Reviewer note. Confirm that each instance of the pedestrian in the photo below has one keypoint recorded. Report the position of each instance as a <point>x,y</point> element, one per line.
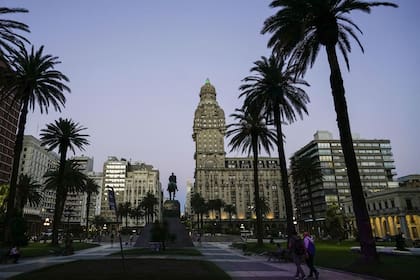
<point>310,254</point>
<point>14,253</point>
<point>112,239</point>
<point>297,248</point>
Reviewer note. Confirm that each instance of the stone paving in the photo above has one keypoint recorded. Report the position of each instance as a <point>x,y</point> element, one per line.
<point>241,267</point>
<point>238,266</point>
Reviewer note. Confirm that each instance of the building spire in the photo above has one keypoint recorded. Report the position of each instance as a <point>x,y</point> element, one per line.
<point>207,81</point>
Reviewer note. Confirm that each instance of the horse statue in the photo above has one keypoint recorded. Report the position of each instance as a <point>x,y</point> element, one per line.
<point>172,188</point>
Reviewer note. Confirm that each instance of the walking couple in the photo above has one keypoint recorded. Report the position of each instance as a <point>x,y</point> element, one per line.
<point>303,250</point>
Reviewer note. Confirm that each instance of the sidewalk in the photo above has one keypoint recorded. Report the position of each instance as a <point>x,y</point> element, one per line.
<point>241,267</point>
<point>232,261</point>
<point>30,264</point>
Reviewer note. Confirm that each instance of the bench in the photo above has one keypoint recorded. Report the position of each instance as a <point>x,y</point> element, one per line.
<point>282,256</point>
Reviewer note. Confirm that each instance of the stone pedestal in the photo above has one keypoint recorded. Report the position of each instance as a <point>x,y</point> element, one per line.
<point>171,209</point>
<point>178,236</point>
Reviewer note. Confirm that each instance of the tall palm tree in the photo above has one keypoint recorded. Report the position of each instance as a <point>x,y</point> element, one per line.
<point>231,210</point>
<point>251,134</point>
<point>64,134</point>
<point>137,213</point>
<point>71,179</point>
<point>307,171</point>
<point>27,192</point>
<point>298,30</point>
<point>275,88</point>
<point>91,187</point>
<point>34,83</point>
<point>124,210</point>
<point>8,36</point>
<point>196,203</point>
<point>148,203</point>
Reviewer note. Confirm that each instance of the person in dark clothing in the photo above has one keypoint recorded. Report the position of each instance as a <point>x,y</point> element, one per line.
<point>297,248</point>
<point>14,254</point>
<point>310,253</point>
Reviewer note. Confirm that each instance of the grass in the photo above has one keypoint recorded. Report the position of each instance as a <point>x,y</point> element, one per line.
<point>107,269</point>
<point>168,251</point>
<point>45,249</point>
<point>330,254</point>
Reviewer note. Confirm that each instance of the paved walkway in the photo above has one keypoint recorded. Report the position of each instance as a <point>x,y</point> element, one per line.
<point>238,266</point>
<point>30,264</point>
<point>241,267</point>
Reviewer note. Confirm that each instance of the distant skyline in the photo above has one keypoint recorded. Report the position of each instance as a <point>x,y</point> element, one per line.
<point>136,68</point>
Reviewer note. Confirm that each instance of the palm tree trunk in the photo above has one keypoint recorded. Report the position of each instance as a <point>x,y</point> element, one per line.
<point>60,197</point>
<point>11,207</point>
<point>367,242</point>
<point>87,214</point>
<point>284,175</point>
<point>257,194</point>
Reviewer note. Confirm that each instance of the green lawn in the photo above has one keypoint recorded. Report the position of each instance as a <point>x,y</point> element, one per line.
<point>168,251</point>
<point>45,249</point>
<point>330,254</point>
<point>108,269</point>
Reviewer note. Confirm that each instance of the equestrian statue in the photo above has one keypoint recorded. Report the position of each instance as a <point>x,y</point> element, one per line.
<point>172,188</point>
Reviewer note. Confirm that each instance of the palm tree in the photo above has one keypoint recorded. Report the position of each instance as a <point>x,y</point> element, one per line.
<point>265,207</point>
<point>124,210</point>
<point>90,188</point>
<point>63,134</point>
<point>27,192</point>
<point>8,36</point>
<point>137,213</point>
<point>231,210</point>
<point>277,91</point>
<point>306,170</point>
<point>196,202</point>
<point>298,30</point>
<point>34,82</point>
<point>148,203</point>
<point>251,134</point>
<point>72,180</point>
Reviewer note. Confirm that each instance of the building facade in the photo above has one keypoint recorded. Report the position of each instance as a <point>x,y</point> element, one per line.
<point>9,116</point>
<point>142,179</point>
<point>35,161</point>
<point>376,167</point>
<point>75,207</point>
<point>230,179</point>
<point>114,174</point>
<point>392,211</point>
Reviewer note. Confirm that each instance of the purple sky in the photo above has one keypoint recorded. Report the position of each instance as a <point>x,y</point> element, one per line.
<point>136,68</point>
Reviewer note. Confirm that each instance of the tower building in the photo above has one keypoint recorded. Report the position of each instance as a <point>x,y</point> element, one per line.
<point>230,179</point>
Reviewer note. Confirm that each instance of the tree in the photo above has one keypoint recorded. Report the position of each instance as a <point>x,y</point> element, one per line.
<point>148,203</point>
<point>8,36</point>
<point>65,181</point>
<point>265,207</point>
<point>335,222</point>
<point>277,91</point>
<point>197,201</point>
<point>28,192</point>
<point>124,210</point>
<point>231,210</point>
<point>90,188</point>
<point>298,30</point>
<point>251,134</point>
<point>216,205</point>
<point>306,170</point>
<point>33,82</point>
<point>64,134</point>
<point>137,213</point>
<point>99,221</point>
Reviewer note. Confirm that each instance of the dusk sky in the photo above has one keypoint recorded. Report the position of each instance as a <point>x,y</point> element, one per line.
<point>136,68</point>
